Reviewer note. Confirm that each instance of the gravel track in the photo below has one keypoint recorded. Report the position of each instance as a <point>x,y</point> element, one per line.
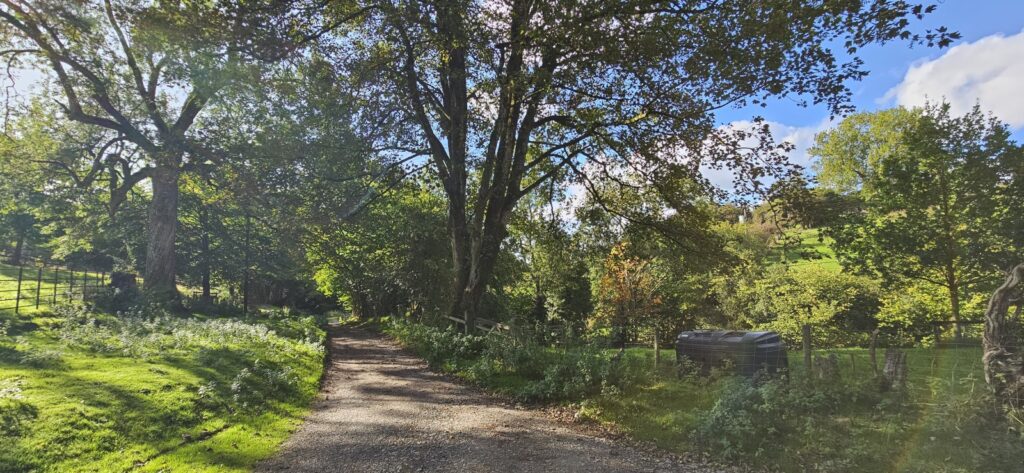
<point>383,410</point>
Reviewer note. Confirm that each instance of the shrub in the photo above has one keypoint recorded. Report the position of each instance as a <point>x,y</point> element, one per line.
<point>146,332</point>
<point>519,367</point>
<point>789,423</point>
<point>39,358</point>
<point>112,299</point>
<point>445,348</point>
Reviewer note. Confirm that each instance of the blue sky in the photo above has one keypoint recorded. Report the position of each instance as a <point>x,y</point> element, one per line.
<point>986,66</point>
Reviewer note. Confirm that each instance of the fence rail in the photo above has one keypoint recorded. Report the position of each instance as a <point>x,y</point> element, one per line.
<point>483,325</point>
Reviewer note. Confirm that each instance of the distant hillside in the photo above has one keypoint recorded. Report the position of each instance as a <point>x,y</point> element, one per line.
<point>811,249</point>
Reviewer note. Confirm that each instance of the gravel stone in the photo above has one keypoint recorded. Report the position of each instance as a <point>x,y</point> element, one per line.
<point>382,410</point>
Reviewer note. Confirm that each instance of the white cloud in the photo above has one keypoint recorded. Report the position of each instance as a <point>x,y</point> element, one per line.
<point>988,71</point>
<point>801,137</point>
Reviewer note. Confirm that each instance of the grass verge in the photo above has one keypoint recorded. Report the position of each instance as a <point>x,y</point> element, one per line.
<point>81,391</point>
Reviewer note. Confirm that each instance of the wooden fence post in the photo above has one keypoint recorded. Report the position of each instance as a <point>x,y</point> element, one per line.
<point>807,348</point>
<point>874,346</point>
<point>937,329</point>
<point>71,285</point>
<point>39,285</point>
<point>17,294</point>
<point>56,282</point>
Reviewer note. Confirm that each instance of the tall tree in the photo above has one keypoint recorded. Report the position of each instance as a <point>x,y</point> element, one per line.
<point>145,71</point>
<point>501,96</point>
<point>934,192</point>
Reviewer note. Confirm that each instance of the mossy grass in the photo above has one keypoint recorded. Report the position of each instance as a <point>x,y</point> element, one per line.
<point>176,395</point>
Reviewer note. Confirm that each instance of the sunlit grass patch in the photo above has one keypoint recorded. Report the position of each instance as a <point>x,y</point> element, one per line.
<point>153,392</point>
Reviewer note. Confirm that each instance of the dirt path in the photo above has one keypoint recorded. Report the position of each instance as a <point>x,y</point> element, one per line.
<point>382,410</point>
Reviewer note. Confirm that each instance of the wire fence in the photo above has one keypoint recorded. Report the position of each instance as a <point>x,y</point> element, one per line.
<point>34,284</point>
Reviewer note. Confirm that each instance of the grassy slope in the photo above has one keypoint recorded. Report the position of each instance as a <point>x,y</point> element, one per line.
<point>111,412</point>
<point>811,248</point>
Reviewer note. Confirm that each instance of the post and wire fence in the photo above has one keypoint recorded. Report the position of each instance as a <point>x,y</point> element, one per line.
<point>932,359</point>
<point>33,284</point>
<point>918,361</point>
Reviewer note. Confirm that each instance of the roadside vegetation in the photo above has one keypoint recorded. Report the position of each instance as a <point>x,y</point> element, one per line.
<point>147,390</point>
<point>796,423</point>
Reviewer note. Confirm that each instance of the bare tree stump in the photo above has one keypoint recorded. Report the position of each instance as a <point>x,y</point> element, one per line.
<point>894,372</point>
<point>1003,359</point>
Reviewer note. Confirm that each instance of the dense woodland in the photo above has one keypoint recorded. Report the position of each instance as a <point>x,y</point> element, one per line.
<point>541,165</point>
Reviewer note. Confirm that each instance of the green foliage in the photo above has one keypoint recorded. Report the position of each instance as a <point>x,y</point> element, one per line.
<point>841,307</point>
<point>751,422</point>
<point>913,306</point>
<point>810,425</point>
<point>932,192</point>
<point>519,368</point>
<point>148,332</point>
<point>391,258</point>
<point>444,348</point>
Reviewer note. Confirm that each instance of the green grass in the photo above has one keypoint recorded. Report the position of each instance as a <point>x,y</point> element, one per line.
<point>943,421</point>
<point>810,248</point>
<point>662,410</point>
<point>157,398</point>
<point>910,433</point>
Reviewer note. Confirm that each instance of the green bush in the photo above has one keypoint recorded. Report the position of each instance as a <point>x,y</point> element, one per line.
<point>785,423</point>
<point>519,367</point>
<point>444,348</point>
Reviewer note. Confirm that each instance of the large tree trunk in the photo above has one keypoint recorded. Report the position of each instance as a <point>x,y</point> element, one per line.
<point>461,260</point>
<point>1003,357</point>
<point>159,280</point>
<point>474,261</point>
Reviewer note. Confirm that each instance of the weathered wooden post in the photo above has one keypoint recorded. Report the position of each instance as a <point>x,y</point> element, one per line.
<point>807,349</point>
<point>895,370</point>
<point>871,353</point>
<point>39,285</point>
<point>17,294</point>
<point>56,282</point>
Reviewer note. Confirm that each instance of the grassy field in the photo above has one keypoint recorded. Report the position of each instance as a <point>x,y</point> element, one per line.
<point>88,392</point>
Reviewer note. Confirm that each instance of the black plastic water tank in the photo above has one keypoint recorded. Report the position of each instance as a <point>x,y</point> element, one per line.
<point>746,352</point>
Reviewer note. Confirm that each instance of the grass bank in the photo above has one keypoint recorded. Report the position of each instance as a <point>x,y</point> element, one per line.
<point>943,421</point>
<point>81,391</point>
